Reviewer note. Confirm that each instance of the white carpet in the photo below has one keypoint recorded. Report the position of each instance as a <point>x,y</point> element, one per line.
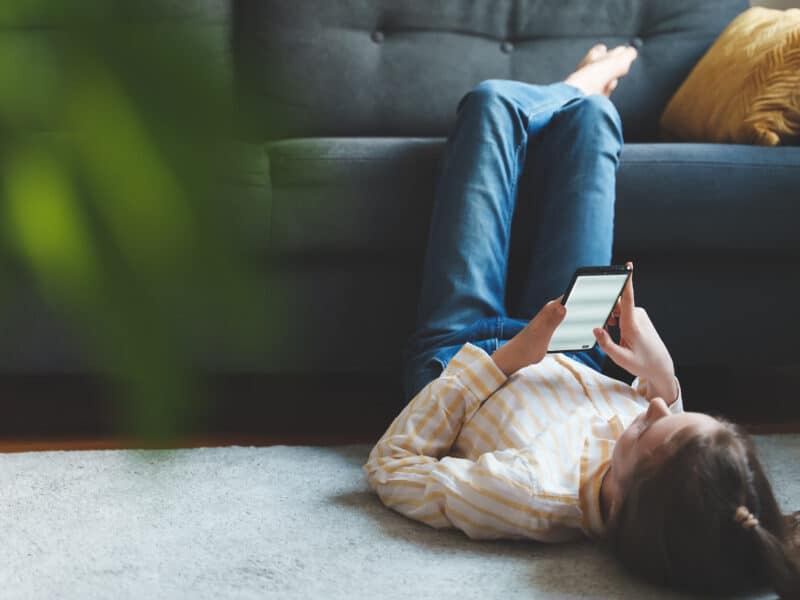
<point>274,522</point>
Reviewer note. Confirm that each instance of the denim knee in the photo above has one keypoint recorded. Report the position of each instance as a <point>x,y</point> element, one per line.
<point>488,93</point>
<point>596,112</point>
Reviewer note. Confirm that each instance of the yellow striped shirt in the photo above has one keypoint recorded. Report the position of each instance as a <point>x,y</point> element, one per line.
<point>506,457</point>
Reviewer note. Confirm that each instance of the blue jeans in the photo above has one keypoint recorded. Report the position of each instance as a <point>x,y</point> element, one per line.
<point>557,150</point>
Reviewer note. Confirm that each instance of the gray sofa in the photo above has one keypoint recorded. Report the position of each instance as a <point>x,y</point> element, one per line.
<point>364,94</point>
<point>355,99</point>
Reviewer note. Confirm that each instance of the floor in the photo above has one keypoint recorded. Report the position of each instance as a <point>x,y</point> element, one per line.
<point>282,522</point>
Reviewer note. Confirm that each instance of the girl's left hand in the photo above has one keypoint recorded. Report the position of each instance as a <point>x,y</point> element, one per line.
<point>529,346</point>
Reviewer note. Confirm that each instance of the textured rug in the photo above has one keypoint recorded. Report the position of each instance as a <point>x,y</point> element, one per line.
<point>271,522</point>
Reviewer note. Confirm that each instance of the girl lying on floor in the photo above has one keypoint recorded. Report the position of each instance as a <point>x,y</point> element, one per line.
<point>501,439</point>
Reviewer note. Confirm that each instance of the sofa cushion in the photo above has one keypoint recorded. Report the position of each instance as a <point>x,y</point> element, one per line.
<point>352,195</point>
<point>719,199</point>
<point>399,67</point>
<point>375,195</point>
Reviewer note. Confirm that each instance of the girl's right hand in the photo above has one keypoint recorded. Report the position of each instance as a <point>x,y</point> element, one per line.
<point>640,351</point>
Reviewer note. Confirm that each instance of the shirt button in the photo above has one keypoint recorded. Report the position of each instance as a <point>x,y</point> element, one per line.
<point>636,42</point>
<point>377,37</point>
<point>507,47</point>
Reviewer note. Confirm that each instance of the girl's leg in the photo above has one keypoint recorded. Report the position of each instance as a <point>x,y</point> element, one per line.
<point>569,185</point>
<point>464,272</point>
<point>567,196</point>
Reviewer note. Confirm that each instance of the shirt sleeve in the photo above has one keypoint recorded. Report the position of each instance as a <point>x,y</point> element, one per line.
<point>495,496</point>
<point>641,387</point>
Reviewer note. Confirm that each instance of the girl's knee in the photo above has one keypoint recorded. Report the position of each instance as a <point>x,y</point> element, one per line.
<point>487,93</point>
<point>491,94</point>
<point>491,88</point>
<point>598,110</point>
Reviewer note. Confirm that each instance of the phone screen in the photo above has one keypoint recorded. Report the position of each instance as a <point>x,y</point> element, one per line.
<point>588,305</point>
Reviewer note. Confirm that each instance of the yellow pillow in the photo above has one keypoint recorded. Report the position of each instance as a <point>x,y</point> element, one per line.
<point>746,88</point>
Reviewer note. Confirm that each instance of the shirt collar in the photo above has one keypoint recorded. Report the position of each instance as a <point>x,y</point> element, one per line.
<point>595,463</point>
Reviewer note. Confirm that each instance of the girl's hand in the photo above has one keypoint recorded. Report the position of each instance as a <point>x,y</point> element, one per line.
<point>529,346</point>
<point>640,351</point>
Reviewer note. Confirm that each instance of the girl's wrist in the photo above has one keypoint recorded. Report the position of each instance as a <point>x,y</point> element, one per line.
<point>661,372</point>
<point>665,387</point>
<point>518,352</point>
<point>507,357</point>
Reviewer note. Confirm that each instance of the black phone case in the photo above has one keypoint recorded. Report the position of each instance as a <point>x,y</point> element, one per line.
<point>600,270</point>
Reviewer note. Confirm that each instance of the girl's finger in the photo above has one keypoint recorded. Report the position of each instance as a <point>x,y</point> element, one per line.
<point>621,356</point>
<point>627,299</point>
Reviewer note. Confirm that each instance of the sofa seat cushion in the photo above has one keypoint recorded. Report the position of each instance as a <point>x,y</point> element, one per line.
<point>375,195</point>
<point>715,199</point>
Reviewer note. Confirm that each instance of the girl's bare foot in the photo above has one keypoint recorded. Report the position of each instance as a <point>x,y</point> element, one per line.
<point>594,53</point>
<point>600,70</point>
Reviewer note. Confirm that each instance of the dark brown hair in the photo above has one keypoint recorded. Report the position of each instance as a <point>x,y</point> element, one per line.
<point>676,526</point>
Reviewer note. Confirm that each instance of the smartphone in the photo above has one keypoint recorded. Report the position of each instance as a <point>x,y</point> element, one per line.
<point>590,298</point>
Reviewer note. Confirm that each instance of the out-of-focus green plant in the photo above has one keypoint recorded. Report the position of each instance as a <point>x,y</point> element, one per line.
<point>115,133</point>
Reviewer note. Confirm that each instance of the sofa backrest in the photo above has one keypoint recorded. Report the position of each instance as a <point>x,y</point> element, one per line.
<point>399,67</point>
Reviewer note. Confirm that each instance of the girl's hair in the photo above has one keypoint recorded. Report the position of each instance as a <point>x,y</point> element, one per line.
<point>677,525</point>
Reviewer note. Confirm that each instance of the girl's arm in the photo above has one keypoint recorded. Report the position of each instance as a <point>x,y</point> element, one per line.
<point>493,497</point>
<point>489,498</point>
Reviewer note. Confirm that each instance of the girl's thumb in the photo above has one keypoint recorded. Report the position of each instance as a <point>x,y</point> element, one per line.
<point>604,340</point>
<point>619,354</point>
